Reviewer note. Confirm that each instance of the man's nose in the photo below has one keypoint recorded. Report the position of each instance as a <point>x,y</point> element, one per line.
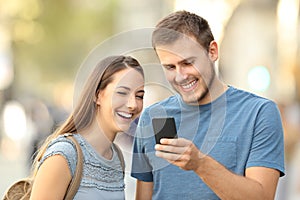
<point>181,74</point>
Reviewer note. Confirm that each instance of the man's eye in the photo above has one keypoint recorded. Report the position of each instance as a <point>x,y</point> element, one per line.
<point>169,67</point>
<point>187,63</point>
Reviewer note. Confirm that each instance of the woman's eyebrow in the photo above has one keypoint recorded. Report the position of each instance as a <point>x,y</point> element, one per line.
<point>141,91</point>
<point>127,88</point>
<point>124,87</point>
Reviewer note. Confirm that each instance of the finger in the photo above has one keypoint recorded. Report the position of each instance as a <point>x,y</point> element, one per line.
<point>171,157</point>
<point>175,142</point>
<point>171,149</point>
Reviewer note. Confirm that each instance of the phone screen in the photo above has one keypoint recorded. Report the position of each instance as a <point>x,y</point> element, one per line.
<point>164,128</point>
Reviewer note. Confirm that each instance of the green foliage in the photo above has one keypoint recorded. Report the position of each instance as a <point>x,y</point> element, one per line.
<point>50,44</point>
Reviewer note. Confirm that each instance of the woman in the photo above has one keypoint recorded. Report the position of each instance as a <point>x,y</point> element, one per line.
<point>111,99</point>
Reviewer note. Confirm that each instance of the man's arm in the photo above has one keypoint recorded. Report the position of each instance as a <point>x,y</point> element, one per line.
<point>258,182</point>
<point>143,190</point>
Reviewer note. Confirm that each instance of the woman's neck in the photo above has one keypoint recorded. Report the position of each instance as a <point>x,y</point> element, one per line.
<point>100,141</point>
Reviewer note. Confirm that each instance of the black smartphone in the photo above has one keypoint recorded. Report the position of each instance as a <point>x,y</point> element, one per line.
<point>164,128</point>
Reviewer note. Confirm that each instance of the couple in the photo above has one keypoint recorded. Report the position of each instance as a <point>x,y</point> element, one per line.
<point>229,146</point>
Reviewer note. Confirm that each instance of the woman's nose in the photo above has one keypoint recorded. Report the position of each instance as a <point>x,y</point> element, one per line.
<point>131,103</point>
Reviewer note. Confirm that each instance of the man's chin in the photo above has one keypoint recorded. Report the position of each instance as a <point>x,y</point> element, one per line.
<point>192,100</point>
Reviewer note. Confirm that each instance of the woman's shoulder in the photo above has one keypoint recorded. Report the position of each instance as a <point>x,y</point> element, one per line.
<point>62,144</point>
<point>64,147</point>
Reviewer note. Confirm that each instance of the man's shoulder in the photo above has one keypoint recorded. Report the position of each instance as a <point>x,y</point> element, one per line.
<point>165,107</point>
<point>247,96</point>
<point>169,101</point>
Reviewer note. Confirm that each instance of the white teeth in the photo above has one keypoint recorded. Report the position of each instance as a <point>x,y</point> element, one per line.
<point>189,85</point>
<point>125,115</point>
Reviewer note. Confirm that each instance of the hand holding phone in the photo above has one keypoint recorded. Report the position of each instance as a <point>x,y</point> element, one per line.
<point>164,128</point>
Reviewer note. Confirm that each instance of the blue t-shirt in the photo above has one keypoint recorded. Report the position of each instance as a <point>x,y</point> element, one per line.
<point>239,130</point>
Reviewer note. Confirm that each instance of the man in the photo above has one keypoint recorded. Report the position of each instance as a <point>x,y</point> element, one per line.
<point>230,142</point>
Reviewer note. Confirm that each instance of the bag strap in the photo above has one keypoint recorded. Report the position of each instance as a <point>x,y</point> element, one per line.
<point>121,157</point>
<point>75,182</point>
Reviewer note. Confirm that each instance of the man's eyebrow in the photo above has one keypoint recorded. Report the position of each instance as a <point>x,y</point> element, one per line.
<point>166,65</point>
<point>189,59</point>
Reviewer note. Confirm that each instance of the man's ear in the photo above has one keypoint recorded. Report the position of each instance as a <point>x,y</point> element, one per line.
<point>213,51</point>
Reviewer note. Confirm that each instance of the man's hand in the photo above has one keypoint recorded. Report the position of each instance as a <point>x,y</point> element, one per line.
<point>180,152</point>
<point>227,185</point>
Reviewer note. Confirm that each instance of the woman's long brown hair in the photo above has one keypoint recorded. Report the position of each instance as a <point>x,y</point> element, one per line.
<point>85,110</point>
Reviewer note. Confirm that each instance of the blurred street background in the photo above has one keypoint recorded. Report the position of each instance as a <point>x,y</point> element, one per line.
<point>44,42</point>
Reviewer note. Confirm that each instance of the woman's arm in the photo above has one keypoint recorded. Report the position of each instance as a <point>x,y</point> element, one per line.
<point>52,179</point>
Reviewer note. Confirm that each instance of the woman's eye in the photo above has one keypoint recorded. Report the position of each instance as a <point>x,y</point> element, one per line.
<point>122,93</point>
<point>140,96</point>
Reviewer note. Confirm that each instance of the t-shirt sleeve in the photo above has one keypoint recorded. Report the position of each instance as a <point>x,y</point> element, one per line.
<point>64,147</point>
<point>141,168</point>
<point>267,146</point>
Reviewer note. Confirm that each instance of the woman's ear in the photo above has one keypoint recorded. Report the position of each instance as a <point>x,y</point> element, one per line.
<point>97,98</point>
<point>213,50</point>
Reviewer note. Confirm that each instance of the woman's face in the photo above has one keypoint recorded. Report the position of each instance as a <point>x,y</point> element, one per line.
<point>121,101</point>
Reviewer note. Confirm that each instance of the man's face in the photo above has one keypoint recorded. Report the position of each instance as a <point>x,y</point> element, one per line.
<point>189,68</point>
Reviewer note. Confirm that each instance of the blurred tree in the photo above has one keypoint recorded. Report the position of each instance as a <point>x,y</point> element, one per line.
<point>52,37</point>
